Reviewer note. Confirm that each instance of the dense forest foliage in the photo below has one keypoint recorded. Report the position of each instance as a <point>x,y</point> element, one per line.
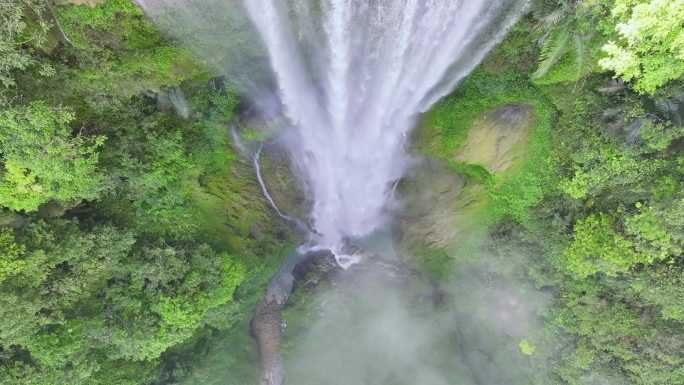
<point>598,208</point>
<point>127,220</point>
<point>131,232</point>
<point>611,223</point>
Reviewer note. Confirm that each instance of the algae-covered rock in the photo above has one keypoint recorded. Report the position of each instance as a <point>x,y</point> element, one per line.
<point>431,194</point>
<point>441,202</point>
<point>445,200</point>
<point>497,140</point>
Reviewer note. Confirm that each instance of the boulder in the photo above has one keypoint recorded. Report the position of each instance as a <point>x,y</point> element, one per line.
<point>498,139</point>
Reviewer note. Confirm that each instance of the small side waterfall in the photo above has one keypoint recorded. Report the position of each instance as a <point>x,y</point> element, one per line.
<point>353,75</point>
<point>301,226</point>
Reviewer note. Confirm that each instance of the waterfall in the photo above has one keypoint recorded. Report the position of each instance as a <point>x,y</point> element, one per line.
<point>351,76</point>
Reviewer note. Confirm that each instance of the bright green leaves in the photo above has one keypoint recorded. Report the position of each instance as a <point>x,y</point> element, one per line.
<point>527,348</point>
<point>597,247</point>
<point>76,300</point>
<point>647,46</point>
<point>651,235</point>
<point>181,316</point>
<point>43,161</point>
<point>20,190</point>
<point>650,51</point>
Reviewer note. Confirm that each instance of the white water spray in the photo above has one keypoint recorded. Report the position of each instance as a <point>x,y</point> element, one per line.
<point>376,66</point>
<point>352,77</point>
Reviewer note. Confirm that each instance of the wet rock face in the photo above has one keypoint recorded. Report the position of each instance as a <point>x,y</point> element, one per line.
<point>319,263</point>
<point>497,140</point>
<point>283,184</point>
<point>267,324</point>
<point>267,332</point>
<point>440,203</point>
<point>431,197</point>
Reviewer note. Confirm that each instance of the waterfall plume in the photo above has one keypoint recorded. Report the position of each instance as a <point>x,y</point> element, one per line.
<point>352,77</point>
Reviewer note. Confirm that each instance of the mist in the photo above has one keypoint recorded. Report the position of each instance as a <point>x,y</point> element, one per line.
<point>374,325</point>
<point>351,78</point>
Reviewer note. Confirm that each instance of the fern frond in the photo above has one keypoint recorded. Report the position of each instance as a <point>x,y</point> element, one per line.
<point>541,8</point>
<point>580,50</point>
<point>553,18</point>
<point>553,49</point>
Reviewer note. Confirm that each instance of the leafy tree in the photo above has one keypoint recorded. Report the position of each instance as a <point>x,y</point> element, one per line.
<point>650,48</point>
<point>179,286</point>
<point>651,234</point>
<point>606,168</point>
<point>122,51</point>
<point>10,260</point>
<point>155,182</point>
<point>597,247</point>
<point>616,337</point>
<point>662,286</point>
<point>77,302</point>
<point>43,161</point>
<point>14,32</point>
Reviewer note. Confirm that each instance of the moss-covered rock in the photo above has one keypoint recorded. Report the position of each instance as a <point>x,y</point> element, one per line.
<point>498,140</point>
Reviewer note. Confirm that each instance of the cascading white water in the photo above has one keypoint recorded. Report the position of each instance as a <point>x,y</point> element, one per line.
<point>352,77</point>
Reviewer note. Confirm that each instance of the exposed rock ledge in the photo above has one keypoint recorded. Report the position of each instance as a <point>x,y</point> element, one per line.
<point>497,141</point>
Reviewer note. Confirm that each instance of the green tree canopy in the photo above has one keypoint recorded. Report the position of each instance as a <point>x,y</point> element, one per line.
<point>650,48</point>
<point>43,161</point>
<point>76,301</point>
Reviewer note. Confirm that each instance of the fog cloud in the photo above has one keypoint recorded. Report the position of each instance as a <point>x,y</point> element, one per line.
<point>373,327</point>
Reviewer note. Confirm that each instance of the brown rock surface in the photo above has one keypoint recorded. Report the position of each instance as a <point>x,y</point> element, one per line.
<point>497,140</point>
